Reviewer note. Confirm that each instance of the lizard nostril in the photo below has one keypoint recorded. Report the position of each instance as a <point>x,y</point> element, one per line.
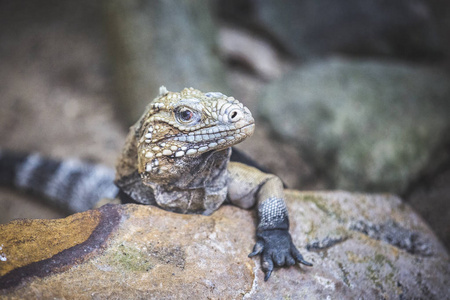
<point>235,115</point>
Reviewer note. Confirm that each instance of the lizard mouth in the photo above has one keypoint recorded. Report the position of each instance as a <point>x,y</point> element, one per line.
<point>248,129</point>
<point>234,136</point>
<point>220,141</point>
<point>197,143</point>
<point>223,135</point>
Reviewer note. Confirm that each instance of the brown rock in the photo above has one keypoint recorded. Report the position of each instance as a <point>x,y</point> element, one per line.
<point>366,246</point>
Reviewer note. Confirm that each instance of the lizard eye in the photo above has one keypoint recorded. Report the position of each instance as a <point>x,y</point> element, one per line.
<point>185,115</point>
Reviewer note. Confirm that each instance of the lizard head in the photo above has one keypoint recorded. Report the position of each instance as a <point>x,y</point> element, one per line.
<point>179,127</point>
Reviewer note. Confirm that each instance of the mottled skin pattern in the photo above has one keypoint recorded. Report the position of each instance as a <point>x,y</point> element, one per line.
<point>177,157</point>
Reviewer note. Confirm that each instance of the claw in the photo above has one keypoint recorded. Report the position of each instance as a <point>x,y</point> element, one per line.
<point>267,275</point>
<point>267,265</point>
<point>306,263</point>
<point>299,257</point>
<point>258,249</point>
<point>277,249</point>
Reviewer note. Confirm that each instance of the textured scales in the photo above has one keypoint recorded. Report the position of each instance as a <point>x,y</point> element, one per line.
<point>72,184</point>
<point>188,124</point>
<point>180,149</point>
<point>177,157</point>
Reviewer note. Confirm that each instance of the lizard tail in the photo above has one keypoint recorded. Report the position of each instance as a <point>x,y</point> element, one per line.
<point>73,185</point>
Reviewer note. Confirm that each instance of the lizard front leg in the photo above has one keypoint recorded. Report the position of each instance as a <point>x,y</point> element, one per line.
<point>248,187</point>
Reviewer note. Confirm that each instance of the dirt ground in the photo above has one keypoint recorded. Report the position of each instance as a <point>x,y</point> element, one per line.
<point>56,90</point>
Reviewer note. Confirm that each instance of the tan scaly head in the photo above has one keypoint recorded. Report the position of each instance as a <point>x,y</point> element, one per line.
<point>180,127</point>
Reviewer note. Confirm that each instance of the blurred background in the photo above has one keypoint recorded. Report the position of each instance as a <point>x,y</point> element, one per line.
<point>347,94</point>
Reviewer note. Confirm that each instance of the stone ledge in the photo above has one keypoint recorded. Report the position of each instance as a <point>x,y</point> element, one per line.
<point>361,246</point>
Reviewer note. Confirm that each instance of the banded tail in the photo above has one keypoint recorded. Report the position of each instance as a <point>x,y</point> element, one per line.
<point>73,185</point>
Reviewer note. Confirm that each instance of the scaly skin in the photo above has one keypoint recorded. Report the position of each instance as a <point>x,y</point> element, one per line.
<point>177,157</point>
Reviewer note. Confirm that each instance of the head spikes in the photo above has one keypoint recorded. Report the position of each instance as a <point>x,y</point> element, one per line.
<point>162,91</point>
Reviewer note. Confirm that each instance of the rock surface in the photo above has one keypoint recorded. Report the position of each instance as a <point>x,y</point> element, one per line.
<point>368,125</point>
<point>369,246</point>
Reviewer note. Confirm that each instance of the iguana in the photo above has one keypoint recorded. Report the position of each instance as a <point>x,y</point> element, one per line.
<point>177,157</point>
<point>72,185</point>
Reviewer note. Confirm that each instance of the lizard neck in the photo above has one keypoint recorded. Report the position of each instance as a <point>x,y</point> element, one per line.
<point>189,172</point>
<point>200,186</point>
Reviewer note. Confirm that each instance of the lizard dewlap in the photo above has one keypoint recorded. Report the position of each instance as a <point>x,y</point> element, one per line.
<point>177,157</point>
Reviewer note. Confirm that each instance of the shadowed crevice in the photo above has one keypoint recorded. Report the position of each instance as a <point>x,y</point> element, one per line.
<point>326,243</point>
<point>110,217</point>
<point>396,235</point>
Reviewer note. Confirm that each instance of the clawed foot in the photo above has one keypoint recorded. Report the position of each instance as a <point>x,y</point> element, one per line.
<point>277,249</point>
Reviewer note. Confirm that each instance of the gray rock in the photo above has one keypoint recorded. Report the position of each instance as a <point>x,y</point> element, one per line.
<point>158,43</point>
<point>311,28</point>
<point>362,247</point>
<point>367,125</point>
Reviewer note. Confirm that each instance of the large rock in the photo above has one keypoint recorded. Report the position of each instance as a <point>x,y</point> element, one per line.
<point>311,28</point>
<point>158,43</point>
<point>368,125</point>
<point>362,246</point>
